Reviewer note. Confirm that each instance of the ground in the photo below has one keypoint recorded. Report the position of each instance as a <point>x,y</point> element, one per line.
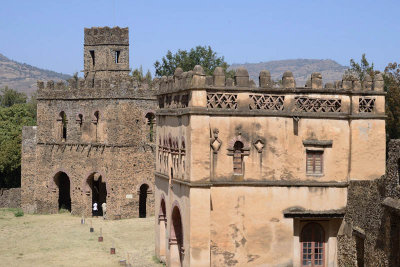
<point>61,240</point>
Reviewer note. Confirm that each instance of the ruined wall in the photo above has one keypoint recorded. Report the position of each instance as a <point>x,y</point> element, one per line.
<point>28,169</point>
<point>10,197</point>
<point>371,231</point>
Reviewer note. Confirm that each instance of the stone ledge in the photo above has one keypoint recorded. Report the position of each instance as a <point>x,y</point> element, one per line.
<point>300,212</point>
<point>266,183</point>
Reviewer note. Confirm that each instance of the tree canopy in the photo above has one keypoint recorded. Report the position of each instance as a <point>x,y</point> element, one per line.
<point>392,86</point>
<point>15,112</point>
<point>187,60</point>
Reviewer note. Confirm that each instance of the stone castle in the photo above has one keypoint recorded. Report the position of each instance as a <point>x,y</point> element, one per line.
<point>95,138</point>
<point>236,175</point>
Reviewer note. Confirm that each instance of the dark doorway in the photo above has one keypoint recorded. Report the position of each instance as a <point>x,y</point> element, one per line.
<point>64,194</point>
<point>143,200</point>
<point>176,250</point>
<point>99,193</point>
<point>360,250</point>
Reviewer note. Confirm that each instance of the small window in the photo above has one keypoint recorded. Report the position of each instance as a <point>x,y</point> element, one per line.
<point>238,158</point>
<point>312,245</point>
<point>92,56</point>
<point>314,162</point>
<point>117,53</point>
<point>63,119</point>
<point>150,122</point>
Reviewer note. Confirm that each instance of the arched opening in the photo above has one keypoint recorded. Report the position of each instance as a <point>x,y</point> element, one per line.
<point>61,179</point>
<point>162,221</point>
<point>312,245</point>
<point>63,125</point>
<point>176,240</point>
<point>99,193</point>
<point>143,200</point>
<point>238,157</point>
<point>150,122</point>
<point>95,121</point>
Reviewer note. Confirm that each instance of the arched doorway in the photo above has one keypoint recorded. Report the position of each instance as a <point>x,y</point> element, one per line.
<point>312,245</point>
<point>61,179</point>
<point>162,222</point>
<point>143,200</point>
<point>99,192</point>
<point>176,240</point>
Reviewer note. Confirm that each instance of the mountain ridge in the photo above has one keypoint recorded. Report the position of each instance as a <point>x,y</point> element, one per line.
<point>301,68</point>
<point>22,77</point>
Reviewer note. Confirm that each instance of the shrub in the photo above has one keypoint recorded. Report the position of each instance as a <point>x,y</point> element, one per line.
<point>19,213</point>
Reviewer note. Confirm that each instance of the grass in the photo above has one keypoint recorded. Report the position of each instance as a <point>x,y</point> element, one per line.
<point>61,240</point>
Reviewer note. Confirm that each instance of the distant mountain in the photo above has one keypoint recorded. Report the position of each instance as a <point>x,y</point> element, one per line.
<point>301,68</point>
<point>22,77</point>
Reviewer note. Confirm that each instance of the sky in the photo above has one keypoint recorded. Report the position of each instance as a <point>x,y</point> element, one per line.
<point>49,34</point>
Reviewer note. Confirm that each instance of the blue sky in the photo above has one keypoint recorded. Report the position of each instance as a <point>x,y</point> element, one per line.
<point>49,34</point>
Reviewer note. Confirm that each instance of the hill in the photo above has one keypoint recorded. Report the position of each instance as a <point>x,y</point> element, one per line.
<point>22,77</point>
<point>301,68</point>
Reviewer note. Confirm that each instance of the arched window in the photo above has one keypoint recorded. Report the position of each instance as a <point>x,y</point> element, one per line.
<point>143,190</point>
<point>238,157</point>
<point>150,122</point>
<point>63,125</point>
<point>79,119</point>
<point>312,245</point>
<point>95,121</point>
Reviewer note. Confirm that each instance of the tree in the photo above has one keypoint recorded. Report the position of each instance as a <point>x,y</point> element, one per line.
<point>11,121</point>
<point>392,86</point>
<point>360,70</point>
<point>10,97</point>
<point>187,60</point>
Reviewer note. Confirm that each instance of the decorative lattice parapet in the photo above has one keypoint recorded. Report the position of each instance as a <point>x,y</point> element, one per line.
<point>217,93</point>
<point>99,88</point>
<point>310,104</point>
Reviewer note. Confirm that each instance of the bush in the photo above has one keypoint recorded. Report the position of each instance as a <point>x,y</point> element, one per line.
<point>19,213</point>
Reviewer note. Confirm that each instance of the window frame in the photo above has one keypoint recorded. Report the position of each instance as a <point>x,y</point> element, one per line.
<point>315,152</point>
<point>312,245</point>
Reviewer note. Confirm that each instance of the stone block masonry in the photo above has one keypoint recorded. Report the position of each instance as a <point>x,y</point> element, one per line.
<point>94,139</point>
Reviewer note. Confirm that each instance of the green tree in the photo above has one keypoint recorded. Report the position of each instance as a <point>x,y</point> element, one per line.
<point>11,121</point>
<point>392,87</point>
<point>200,55</point>
<point>10,97</point>
<point>148,78</point>
<point>138,74</point>
<point>360,70</point>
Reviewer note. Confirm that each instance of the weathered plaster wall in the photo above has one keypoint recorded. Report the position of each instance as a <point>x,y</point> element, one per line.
<point>248,226</point>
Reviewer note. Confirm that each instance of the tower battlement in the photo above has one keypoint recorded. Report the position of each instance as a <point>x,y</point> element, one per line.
<point>106,36</point>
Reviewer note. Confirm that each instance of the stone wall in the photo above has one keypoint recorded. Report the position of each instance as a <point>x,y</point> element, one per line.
<point>370,232</point>
<point>10,197</point>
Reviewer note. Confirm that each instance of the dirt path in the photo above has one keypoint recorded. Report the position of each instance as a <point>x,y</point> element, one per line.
<point>61,240</point>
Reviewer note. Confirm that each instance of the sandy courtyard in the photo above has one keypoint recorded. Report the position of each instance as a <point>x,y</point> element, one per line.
<point>61,240</point>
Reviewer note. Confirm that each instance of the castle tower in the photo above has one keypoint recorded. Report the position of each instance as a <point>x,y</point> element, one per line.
<point>106,52</point>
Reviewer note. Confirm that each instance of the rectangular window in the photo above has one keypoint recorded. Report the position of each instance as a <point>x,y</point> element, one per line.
<point>92,55</point>
<point>117,53</point>
<point>314,162</point>
<point>237,162</point>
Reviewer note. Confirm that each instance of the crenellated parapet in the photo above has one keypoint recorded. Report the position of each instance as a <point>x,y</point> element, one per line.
<point>122,87</point>
<point>106,36</point>
<point>197,91</point>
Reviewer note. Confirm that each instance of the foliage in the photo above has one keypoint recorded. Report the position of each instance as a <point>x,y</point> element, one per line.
<point>10,97</point>
<point>187,60</point>
<point>19,213</point>
<point>138,75</point>
<point>392,86</point>
<point>12,118</point>
<point>360,70</point>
